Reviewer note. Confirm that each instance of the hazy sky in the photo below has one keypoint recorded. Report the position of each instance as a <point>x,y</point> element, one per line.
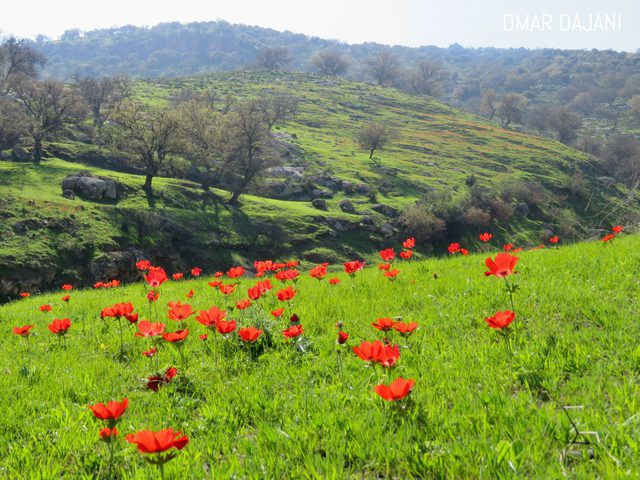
<point>404,22</point>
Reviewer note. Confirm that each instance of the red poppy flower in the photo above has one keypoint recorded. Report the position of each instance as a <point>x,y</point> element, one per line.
<point>111,411</point>
<point>406,254</point>
<point>45,308</point>
<point>383,324</point>
<point>293,331</point>
<point>179,311</point>
<point>24,294</point>
<point>23,331</point>
<point>235,272</point>
<point>507,247</point>
<point>108,434</point>
<point>277,312</point>
<point>147,329</point>
<point>215,283</point>
<point>143,265</point>
<point>387,254</point>
<point>388,356</point>
<point>249,334</point>
<point>617,229</point>
<point>155,276</point>
<point>454,248</point>
<point>67,287</point>
<point>319,272</point>
<point>608,237</point>
<point>204,336</point>
<point>225,327</point>
<point>517,250</point>
<point>210,318</point>
<point>254,293</point>
<point>227,289</point>
<point>384,266</point>
<point>120,310</point>
<point>352,267</point>
<point>334,281</point>
<point>538,247</point>
<point>399,389</point>
<point>190,294</point>
<point>485,237</point>
<point>409,243</point>
<point>392,274</point>
<point>157,442</point>
<point>153,296</point>
<point>292,263</point>
<point>176,337</point>
<point>150,353</point>
<point>196,271</point>
<point>284,275</point>
<point>501,319</point>
<point>286,294</point>
<point>66,298</point>
<point>464,251</point>
<point>342,337</point>
<point>555,239</point>
<point>156,381</point>
<point>60,326</point>
<point>502,266</point>
<point>405,328</point>
<point>218,274</point>
<point>177,276</point>
<point>368,351</point>
<point>243,304</point>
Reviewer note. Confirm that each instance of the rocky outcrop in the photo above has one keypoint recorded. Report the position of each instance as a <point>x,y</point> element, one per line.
<point>347,207</point>
<point>90,186</point>
<point>385,210</point>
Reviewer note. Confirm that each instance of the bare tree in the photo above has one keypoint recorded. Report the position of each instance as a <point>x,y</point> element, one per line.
<point>103,94</point>
<point>374,137</point>
<point>50,107</point>
<point>511,108</point>
<point>330,62</point>
<point>565,124</point>
<point>273,58</point>
<point>150,135</point>
<point>383,67</point>
<point>634,109</point>
<point>489,105</point>
<point>17,58</point>
<point>538,119</point>
<point>245,158</point>
<point>426,78</point>
<point>277,108</point>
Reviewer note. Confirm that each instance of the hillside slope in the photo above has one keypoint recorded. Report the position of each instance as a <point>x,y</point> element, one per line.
<point>47,239</point>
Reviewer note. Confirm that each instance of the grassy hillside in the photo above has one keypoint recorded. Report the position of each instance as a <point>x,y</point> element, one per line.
<point>436,148</point>
<point>484,405</point>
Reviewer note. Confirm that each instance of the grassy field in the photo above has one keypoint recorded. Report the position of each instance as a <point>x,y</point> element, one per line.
<point>484,405</point>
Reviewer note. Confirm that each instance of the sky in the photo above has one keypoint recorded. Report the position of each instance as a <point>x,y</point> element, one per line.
<point>471,23</point>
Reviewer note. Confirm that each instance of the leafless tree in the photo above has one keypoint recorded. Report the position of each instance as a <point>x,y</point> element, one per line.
<point>511,108</point>
<point>102,94</point>
<point>273,58</point>
<point>426,78</point>
<point>330,62</point>
<point>383,67</point>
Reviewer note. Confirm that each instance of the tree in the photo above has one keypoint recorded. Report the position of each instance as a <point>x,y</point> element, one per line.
<point>538,119</point>
<point>17,58</point>
<point>511,108</point>
<point>13,122</point>
<point>51,108</point>
<point>383,67</point>
<point>102,94</point>
<point>277,108</point>
<point>276,58</point>
<point>150,135</point>
<point>247,133</point>
<point>330,62</point>
<point>621,157</point>
<point>426,78</point>
<point>565,124</point>
<point>489,104</point>
<point>374,137</point>
<point>634,109</point>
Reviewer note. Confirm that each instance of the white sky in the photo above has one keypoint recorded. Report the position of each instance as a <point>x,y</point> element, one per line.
<point>404,22</point>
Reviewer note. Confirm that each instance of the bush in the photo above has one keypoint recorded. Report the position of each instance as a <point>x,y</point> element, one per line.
<point>419,222</point>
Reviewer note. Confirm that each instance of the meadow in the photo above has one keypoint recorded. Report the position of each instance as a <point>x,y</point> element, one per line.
<point>553,394</point>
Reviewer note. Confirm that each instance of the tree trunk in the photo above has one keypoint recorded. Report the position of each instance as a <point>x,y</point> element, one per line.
<point>234,198</point>
<point>37,150</point>
<point>371,153</point>
<point>147,182</point>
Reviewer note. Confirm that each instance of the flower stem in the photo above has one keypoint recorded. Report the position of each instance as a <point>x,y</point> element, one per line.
<point>510,292</point>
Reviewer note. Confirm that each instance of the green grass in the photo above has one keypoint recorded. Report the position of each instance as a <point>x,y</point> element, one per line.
<point>476,411</point>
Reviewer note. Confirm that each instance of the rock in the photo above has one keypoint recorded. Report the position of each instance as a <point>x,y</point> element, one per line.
<point>347,186</point>
<point>90,186</point>
<point>322,193</point>
<point>341,225</point>
<point>5,156</point>
<point>319,203</point>
<point>68,194</point>
<point>364,189</point>
<point>293,173</point>
<point>385,210</point>
<point>347,206</point>
<point>367,221</point>
<point>387,230</point>
<point>23,226</point>
<point>606,181</point>
<point>21,154</point>
<point>119,264</point>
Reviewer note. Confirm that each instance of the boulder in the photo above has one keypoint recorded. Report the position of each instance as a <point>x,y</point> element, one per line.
<point>90,186</point>
<point>21,154</point>
<point>385,210</point>
<point>347,206</point>
<point>319,203</point>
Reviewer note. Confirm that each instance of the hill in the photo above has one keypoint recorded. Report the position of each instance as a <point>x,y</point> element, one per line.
<point>467,174</point>
<point>484,404</point>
